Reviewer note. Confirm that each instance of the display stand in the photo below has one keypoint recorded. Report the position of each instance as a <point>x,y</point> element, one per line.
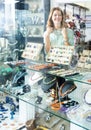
<point>32,51</point>
<point>60,55</point>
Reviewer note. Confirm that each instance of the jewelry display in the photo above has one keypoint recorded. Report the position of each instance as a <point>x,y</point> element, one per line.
<point>64,72</point>
<point>8,114</point>
<point>51,122</point>
<point>41,66</point>
<point>46,120</point>
<point>66,88</point>
<point>60,55</point>
<point>32,51</point>
<point>49,82</point>
<point>84,111</point>
<point>68,105</point>
<point>2,108</point>
<point>49,79</point>
<point>35,108</point>
<point>85,60</point>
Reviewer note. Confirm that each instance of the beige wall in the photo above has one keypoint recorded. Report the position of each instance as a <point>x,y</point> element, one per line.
<point>85,4</point>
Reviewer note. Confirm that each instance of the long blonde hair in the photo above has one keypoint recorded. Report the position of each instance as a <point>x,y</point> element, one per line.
<point>50,22</point>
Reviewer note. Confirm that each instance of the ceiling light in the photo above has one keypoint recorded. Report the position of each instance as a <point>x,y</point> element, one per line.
<point>10,1</point>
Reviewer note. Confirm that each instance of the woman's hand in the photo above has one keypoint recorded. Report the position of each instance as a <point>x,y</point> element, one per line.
<point>47,39</point>
<point>65,36</point>
<point>49,30</point>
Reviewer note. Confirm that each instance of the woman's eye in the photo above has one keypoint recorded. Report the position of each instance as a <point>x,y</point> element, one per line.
<point>57,15</point>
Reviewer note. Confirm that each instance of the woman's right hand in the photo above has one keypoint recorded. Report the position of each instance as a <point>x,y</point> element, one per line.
<point>47,39</point>
<point>49,30</point>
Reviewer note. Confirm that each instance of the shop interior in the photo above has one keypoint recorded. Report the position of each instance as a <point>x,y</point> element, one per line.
<point>39,92</point>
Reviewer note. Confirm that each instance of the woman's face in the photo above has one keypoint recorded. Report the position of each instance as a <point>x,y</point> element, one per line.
<point>57,17</point>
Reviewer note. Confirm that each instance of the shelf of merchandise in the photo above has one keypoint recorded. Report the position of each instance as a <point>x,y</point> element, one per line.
<point>81,80</point>
<point>79,121</point>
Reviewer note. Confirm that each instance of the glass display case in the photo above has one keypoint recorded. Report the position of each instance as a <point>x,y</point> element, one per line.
<point>31,20</point>
<point>26,23</point>
<point>23,99</point>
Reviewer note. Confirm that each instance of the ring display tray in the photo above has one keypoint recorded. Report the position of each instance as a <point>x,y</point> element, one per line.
<point>32,51</point>
<point>60,55</point>
<point>85,60</point>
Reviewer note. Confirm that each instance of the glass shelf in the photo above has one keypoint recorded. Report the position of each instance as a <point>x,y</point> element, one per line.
<point>82,76</point>
<point>72,118</point>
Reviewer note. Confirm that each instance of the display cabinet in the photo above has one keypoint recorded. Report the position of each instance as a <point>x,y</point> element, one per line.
<point>24,101</point>
<point>36,103</point>
<point>32,20</point>
<point>26,23</point>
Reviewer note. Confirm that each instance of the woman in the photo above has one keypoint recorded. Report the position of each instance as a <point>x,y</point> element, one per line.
<point>57,33</point>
